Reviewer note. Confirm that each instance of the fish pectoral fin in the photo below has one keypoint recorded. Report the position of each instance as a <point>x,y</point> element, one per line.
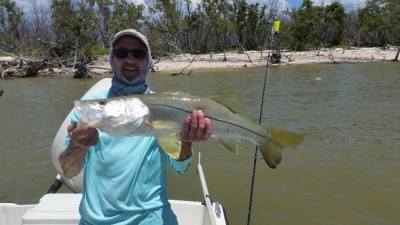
<point>230,143</point>
<point>279,139</point>
<point>229,100</point>
<point>163,126</point>
<point>171,144</point>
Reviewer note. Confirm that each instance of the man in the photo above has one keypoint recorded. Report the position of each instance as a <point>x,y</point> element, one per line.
<point>125,178</point>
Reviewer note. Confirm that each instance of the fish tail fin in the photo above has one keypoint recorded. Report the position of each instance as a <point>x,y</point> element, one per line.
<point>279,139</point>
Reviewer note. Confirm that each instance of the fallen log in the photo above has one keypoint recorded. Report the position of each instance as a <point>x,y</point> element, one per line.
<point>396,59</point>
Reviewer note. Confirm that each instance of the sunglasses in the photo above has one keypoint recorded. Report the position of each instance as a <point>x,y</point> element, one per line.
<point>122,53</point>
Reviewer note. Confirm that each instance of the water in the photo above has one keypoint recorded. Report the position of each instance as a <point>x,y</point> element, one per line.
<point>345,172</point>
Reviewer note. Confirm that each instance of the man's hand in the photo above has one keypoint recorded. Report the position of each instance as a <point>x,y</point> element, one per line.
<point>84,137</point>
<point>196,128</point>
<point>73,158</point>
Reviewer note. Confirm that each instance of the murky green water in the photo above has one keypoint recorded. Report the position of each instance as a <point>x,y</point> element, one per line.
<point>345,172</point>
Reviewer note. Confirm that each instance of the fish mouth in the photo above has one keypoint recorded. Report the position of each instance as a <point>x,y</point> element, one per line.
<point>88,115</point>
<point>81,109</point>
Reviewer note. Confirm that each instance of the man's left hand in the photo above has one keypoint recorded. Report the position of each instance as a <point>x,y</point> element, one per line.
<point>196,128</point>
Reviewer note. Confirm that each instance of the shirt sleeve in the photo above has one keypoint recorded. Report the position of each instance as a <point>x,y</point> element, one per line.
<point>180,167</point>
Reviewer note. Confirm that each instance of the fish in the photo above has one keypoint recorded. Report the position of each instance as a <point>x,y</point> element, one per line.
<point>161,115</point>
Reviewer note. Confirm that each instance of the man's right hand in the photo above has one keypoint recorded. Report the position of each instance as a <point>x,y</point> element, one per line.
<point>86,137</point>
<point>73,158</point>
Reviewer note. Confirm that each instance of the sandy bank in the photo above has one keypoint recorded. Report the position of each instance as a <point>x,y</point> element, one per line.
<point>255,58</point>
<point>178,62</point>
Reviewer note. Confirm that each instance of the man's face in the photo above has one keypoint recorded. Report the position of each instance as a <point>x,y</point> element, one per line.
<point>132,66</point>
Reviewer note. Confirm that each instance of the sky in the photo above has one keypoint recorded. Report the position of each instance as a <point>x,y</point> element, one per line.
<point>26,5</point>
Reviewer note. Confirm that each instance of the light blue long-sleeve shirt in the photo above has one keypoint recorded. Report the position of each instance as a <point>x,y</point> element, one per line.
<point>125,180</point>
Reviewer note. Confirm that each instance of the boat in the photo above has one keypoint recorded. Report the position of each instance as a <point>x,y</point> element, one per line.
<point>62,208</point>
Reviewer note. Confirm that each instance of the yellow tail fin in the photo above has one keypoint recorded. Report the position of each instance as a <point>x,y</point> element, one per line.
<point>280,139</point>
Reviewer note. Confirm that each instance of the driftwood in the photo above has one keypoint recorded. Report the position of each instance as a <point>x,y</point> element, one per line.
<point>31,67</point>
<point>288,57</point>
<point>23,67</point>
<point>155,60</point>
<point>181,72</point>
<point>396,59</point>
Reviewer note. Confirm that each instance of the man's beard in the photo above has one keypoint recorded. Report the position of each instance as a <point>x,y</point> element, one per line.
<point>130,79</point>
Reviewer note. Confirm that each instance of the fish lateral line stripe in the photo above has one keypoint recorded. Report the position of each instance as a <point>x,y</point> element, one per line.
<point>219,120</point>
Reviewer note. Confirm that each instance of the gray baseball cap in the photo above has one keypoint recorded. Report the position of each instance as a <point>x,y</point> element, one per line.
<point>131,32</point>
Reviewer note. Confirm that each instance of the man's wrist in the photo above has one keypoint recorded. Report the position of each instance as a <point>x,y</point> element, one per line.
<point>186,151</point>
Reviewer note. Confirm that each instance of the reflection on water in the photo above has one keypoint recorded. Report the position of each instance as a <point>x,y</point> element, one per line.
<point>345,172</point>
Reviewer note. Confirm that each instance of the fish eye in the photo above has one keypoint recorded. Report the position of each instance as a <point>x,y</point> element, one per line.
<point>102,102</point>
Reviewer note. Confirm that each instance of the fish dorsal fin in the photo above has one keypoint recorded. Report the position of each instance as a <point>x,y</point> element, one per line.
<point>178,93</point>
<point>230,143</point>
<point>230,100</point>
<point>171,144</point>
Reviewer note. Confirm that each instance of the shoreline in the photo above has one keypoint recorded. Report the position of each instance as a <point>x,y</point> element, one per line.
<point>188,62</point>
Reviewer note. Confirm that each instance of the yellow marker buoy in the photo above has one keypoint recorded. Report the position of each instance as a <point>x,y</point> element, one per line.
<point>277,25</point>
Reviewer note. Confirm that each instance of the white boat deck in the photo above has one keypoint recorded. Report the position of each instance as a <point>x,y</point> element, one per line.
<point>63,209</point>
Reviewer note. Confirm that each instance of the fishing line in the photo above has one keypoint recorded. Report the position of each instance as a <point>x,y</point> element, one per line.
<point>265,88</point>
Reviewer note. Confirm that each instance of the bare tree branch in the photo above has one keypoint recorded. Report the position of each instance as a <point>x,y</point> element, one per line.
<point>51,49</point>
<point>243,49</point>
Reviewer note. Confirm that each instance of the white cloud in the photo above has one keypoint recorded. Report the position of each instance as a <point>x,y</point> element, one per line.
<point>346,3</point>
<point>27,6</point>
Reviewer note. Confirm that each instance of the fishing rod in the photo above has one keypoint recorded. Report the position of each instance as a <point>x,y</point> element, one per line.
<point>274,30</point>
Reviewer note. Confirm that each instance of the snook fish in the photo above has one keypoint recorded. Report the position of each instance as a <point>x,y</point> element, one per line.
<point>161,115</point>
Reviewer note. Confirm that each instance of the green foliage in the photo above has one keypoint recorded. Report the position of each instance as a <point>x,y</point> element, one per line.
<point>96,52</point>
<point>301,28</point>
<point>381,18</point>
<point>63,47</point>
<point>216,16</point>
<point>316,26</point>
<point>335,17</point>
<point>251,23</point>
<point>72,26</point>
<point>257,23</point>
<point>197,26</point>
<point>126,15</point>
<point>166,25</point>
<point>370,20</point>
<point>10,19</point>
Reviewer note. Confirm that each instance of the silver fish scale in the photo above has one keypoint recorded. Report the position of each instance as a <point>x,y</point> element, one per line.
<point>174,107</point>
